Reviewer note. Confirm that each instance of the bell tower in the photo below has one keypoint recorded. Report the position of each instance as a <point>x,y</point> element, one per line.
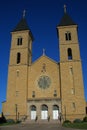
<point>21,45</point>
<point>72,89</point>
<point>20,59</point>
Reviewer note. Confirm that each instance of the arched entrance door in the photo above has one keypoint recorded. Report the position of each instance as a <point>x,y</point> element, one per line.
<point>55,112</point>
<point>33,112</point>
<point>44,112</point>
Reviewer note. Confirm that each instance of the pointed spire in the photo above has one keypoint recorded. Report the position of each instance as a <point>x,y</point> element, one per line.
<point>22,25</point>
<point>65,8</point>
<point>66,19</point>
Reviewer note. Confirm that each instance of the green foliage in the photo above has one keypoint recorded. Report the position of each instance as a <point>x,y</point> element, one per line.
<point>2,119</point>
<point>77,121</point>
<point>67,121</point>
<point>82,125</point>
<point>85,119</point>
<point>18,121</point>
<point>10,121</point>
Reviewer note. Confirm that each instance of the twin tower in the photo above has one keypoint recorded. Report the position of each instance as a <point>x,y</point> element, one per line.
<point>45,89</point>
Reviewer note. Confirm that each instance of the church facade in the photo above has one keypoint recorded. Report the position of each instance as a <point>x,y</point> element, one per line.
<point>45,89</point>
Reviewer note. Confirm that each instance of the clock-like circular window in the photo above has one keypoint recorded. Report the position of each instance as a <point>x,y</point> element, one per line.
<point>44,82</point>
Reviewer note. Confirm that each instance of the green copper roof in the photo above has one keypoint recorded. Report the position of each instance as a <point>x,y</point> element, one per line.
<point>66,20</point>
<point>22,25</point>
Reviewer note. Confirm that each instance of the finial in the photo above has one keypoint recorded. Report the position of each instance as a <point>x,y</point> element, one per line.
<point>24,13</point>
<point>43,51</point>
<point>64,8</point>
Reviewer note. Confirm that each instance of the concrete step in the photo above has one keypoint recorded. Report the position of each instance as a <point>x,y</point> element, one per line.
<point>27,121</point>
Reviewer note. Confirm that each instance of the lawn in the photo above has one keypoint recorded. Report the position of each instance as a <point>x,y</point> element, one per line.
<point>10,123</point>
<point>4,124</point>
<point>82,125</point>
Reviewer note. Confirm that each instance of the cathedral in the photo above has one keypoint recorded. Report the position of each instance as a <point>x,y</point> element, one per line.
<point>45,90</point>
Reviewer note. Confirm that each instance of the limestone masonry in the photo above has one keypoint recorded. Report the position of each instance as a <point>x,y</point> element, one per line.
<point>45,89</point>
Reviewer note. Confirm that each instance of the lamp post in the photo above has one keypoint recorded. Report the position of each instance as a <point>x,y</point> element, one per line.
<point>65,111</point>
<point>16,108</point>
<point>18,115</point>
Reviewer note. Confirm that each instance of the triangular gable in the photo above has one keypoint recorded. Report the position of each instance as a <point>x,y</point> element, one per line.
<point>44,56</point>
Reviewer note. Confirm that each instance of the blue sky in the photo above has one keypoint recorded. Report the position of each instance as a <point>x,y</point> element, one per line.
<point>42,16</point>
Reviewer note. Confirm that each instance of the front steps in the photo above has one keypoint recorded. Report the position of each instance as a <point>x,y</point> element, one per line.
<point>27,121</point>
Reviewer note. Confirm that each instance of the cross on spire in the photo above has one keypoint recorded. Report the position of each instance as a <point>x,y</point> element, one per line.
<point>65,8</point>
<point>43,51</point>
<point>24,13</point>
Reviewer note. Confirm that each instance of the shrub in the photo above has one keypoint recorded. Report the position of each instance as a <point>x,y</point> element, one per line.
<point>67,121</point>
<point>2,119</point>
<point>77,121</point>
<point>10,121</point>
<point>18,121</point>
<point>85,119</point>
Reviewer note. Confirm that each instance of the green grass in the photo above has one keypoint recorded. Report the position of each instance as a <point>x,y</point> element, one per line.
<point>9,123</point>
<point>4,124</point>
<point>82,125</point>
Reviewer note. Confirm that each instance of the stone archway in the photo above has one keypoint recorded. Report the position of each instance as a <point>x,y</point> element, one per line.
<point>33,112</point>
<point>55,112</point>
<point>44,112</point>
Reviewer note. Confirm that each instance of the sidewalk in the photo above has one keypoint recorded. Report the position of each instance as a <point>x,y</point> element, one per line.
<point>35,127</point>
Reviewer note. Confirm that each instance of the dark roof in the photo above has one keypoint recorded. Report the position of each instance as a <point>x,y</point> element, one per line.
<point>22,25</point>
<point>66,20</point>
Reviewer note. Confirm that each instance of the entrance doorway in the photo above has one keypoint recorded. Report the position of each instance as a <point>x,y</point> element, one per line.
<point>44,112</point>
<point>55,112</point>
<point>33,112</point>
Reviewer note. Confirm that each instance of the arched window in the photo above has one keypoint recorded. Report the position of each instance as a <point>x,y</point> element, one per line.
<point>33,108</point>
<point>69,51</point>
<point>86,110</point>
<point>68,36</point>
<point>44,107</point>
<point>33,94</point>
<point>55,107</point>
<point>17,72</point>
<point>19,41</point>
<point>18,58</point>
<point>73,105</point>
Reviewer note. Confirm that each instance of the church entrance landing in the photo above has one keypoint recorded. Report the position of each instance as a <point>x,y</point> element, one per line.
<point>43,110</point>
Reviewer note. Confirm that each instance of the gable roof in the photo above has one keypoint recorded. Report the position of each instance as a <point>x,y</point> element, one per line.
<point>22,25</point>
<point>45,57</point>
<point>66,20</point>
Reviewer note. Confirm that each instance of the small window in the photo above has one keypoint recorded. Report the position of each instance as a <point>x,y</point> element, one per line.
<point>69,51</point>
<point>17,93</point>
<point>68,36</point>
<point>55,93</point>
<point>17,73</point>
<point>71,70</point>
<point>19,41</point>
<point>18,58</point>
<point>86,110</point>
<point>33,94</point>
<point>73,105</point>
<point>73,91</point>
